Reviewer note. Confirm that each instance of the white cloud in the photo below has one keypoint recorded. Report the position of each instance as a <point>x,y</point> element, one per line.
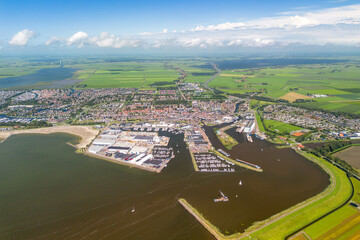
<point>109,40</point>
<point>105,39</point>
<point>339,26</point>
<point>52,40</point>
<point>79,39</point>
<point>22,38</point>
<point>331,16</point>
<point>220,27</point>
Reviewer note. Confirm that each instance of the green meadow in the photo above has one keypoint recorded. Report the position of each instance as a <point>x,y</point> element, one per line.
<point>126,74</point>
<point>344,223</point>
<point>194,70</point>
<point>340,82</point>
<point>280,127</point>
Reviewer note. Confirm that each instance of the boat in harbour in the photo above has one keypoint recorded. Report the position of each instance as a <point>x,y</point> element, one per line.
<point>223,198</point>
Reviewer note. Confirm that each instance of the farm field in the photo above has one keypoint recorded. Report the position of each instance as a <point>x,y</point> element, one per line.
<point>126,74</point>
<point>341,224</point>
<point>293,96</point>
<point>194,70</point>
<point>350,155</point>
<point>280,127</point>
<point>340,82</point>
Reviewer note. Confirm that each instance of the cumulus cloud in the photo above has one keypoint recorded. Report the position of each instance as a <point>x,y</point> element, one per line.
<point>22,38</point>
<point>106,39</point>
<point>220,27</point>
<point>339,26</point>
<point>52,40</point>
<point>79,39</point>
<point>331,16</point>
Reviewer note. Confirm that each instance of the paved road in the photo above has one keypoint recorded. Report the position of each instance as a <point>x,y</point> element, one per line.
<point>212,78</point>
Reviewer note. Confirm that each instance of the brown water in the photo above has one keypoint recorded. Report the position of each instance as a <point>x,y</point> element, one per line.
<point>49,192</point>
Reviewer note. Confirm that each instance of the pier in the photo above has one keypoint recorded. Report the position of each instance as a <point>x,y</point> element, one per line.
<point>223,152</point>
<point>249,164</point>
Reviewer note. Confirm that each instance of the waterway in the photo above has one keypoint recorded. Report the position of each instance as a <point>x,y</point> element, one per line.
<point>49,192</point>
<point>43,75</point>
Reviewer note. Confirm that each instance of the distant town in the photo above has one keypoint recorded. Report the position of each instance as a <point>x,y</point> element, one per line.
<point>130,119</point>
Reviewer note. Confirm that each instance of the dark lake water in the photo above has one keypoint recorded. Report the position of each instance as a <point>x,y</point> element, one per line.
<point>49,192</point>
<point>43,75</point>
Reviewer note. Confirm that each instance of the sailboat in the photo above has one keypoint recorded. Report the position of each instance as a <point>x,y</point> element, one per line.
<point>133,209</point>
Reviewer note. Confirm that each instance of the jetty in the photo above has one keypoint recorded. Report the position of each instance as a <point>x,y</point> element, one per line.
<point>223,197</point>
<point>249,164</point>
<point>223,152</point>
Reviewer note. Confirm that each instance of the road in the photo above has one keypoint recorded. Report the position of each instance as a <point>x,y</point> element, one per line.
<point>213,77</point>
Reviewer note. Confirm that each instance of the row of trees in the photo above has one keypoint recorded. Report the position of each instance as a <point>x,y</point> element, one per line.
<point>327,150</point>
<point>33,124</point>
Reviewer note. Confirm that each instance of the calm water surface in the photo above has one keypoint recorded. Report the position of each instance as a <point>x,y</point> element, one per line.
<point>43,75</point>
<point>49,192</point>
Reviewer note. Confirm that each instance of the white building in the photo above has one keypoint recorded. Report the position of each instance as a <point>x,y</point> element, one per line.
<point>103,142</point>
<point>138,150</point>
<point>95,149</point>
<point>249,127</point>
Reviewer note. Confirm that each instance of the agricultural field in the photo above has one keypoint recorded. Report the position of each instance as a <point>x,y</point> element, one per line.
<point>280,127</point>
<point>351,156</point>
<point>340,82</point>
<point>196,70</point>
<point>293,96</point>
<point>341,224</point>
<point>126,74</point>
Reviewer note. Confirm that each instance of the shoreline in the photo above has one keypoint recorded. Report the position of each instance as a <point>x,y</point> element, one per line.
<point>295,211</point>
<point>123,163</point>
<point>86,133</point>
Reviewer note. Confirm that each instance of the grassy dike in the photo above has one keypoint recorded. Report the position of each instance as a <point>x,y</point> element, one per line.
<point>196,168</point>
<point>340,224</point>
<point>294,218</point>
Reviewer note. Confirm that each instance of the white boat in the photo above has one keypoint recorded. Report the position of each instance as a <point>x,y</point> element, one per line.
<point>133,209</point>
<point>240,183</point>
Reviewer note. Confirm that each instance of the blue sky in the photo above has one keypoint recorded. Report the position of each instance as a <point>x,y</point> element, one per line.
<point>159,24</point>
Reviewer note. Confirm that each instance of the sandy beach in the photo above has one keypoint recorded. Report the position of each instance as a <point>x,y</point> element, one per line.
<point>87,133</point>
